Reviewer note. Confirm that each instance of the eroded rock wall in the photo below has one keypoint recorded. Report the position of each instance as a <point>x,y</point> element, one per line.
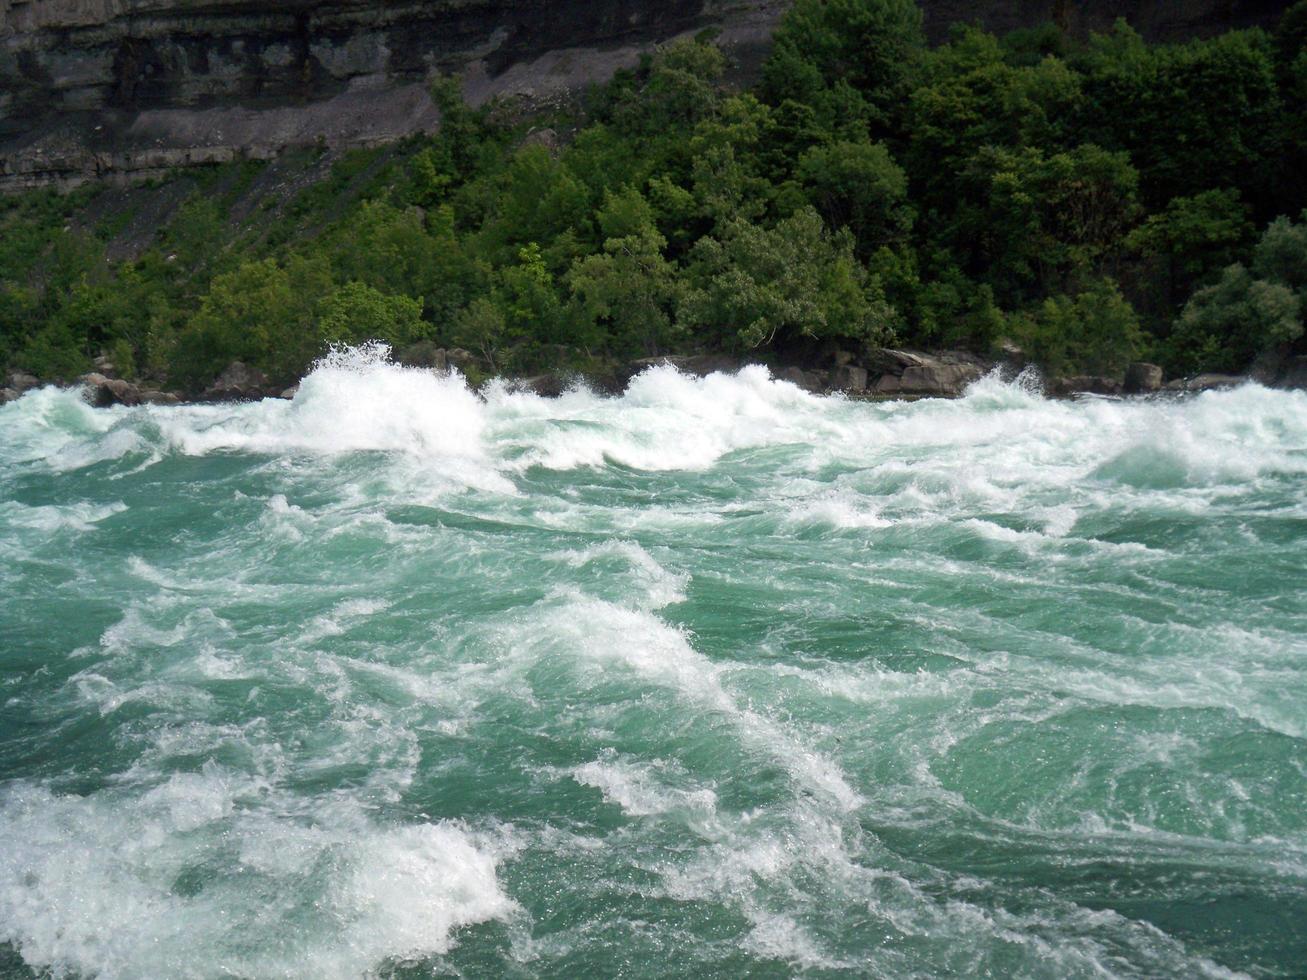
<point>131,87</point>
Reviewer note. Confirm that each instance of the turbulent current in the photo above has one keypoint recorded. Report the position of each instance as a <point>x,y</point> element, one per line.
<point>715,678</point>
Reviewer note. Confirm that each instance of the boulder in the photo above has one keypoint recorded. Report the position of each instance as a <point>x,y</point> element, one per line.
<point>239,382</point>
<point>549,385</point>
<point>103,392</point>
<point>850,378</point>
<point>546,138</point>
<point>886,360</point>
<point>1085,384</point>
<point>932,379</point>
<point>457,357</point>
<point>1142,378</point>
<point>912,374</point>
<point>1012,353</point>
<point>1206,382</point>
<point>290,392</point>
<point>8,395</point>
<point>813,381</point>
<point>20,381</point>
<point>423,354</point>
<point>160,398</point>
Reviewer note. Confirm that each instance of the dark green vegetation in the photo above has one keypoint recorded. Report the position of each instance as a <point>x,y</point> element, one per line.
<point>1094,202</point>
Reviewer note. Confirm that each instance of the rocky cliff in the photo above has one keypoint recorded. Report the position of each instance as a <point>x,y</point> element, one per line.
<point>94,88</point>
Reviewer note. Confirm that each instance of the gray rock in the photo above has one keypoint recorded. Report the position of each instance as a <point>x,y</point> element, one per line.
<point>160,398</point>
<point>841,358</point>
<point>912,374</point>
<point>549,385</point>
<point>887,360</point>
<point>290,392</point>
<point>459,358</point>
<point>849,378</point>
<point>423,354</point>
<point>933,379</point>
<point>1012,353</point>
<point>813,381</point>
<point>103,392</point>
<point>546,138</point>
<point>1206,382</point>
<point>1142,378</point>
<point>21,381</point>
<point>1085,384</point>
<point>8,395</point>
<point>239,382</point>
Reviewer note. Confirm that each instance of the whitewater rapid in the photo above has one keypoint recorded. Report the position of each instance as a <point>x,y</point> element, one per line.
<point>716,676</point>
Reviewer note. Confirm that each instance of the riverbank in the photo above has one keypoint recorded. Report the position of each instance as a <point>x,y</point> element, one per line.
<point>882,374</point>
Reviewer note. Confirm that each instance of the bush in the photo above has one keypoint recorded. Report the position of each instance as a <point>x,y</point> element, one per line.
<point>355,312</point>
<point>1095,332</point>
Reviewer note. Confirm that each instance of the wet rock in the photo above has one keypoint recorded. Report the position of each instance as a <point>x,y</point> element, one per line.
<point>1085,384</point>
<point>160,398</point>
<point>8,395</point>
<point>912,374</point>
<point>1206,382</point>
<point>1011,353</point>
<point>887,360</point>
<point>239,382</point>
<point>841,358</point>
<point>290,392</point>
<point>457,357</point>
<point>813,381</point>
<point>850,378</point>
<point>1142,378</point>
<point>932,379</point>
<point>103,392</point>
<point>424,354</point>
<point>20,381</point>
<point>549,385</point>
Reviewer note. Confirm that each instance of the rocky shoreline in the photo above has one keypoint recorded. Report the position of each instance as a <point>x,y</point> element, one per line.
<point>883,374</point>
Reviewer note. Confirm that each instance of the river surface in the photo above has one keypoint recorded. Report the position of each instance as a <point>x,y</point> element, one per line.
<point>713,679</point>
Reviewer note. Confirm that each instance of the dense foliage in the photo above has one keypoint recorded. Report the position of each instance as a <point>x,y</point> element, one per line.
<point>1095,202</point>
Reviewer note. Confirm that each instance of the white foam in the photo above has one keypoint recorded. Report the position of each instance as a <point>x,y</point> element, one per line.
<point>89,885</point>
<point>640,788</point>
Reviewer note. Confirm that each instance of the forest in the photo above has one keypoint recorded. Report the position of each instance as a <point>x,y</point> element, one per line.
<point>1092,202</point>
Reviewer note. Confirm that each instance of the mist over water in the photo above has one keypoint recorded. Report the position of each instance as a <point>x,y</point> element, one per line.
<point>715,678</point>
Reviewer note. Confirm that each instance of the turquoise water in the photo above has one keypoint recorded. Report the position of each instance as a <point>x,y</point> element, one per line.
<point>715,679</point>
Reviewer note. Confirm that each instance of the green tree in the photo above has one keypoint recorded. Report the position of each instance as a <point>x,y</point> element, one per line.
<point>855,61</point>
<point>858,186</point>
<point>1189,240</point>
<point>756,286</point>
<point>356,312</point>
<point>262,313</point>
<point>1039,222</point>
<point>1224,326</point>
<point>1248,312</point>
<point>1192,116</point>
<point>630,290</point>
<point>1095,332</point>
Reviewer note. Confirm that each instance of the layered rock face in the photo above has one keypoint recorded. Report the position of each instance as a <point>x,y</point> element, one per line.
<point>102,87</point>
<point>93,88</point>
